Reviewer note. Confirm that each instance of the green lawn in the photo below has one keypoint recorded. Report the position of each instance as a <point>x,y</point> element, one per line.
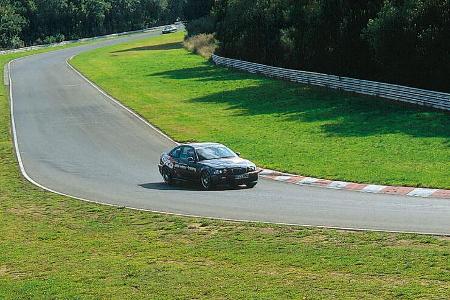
<point>52,247</point>
<point>280,125</point>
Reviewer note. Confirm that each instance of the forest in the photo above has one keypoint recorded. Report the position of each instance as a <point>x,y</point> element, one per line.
<point>29,22</point>
<point>397,41</point>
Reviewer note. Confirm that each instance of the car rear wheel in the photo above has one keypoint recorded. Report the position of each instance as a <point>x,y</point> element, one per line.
<point>167,176</point>
<point>251,184</point>
<point>205,180</point>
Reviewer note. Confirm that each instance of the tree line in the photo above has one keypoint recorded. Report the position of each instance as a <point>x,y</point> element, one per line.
<point>397,41</point>
<point>29,22</point>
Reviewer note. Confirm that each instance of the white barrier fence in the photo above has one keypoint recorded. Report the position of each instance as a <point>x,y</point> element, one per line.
<point>385,90</point>
<point>108,36</point>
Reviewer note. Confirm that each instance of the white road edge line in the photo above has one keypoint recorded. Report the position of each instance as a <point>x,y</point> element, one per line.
<point>25,174</point>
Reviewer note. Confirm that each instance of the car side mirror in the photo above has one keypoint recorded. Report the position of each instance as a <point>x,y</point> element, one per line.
<point>238,153</point>
<point>191,160</point>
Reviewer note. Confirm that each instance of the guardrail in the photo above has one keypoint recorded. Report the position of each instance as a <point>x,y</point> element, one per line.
<point>80,40</point>
<point>385,90</point>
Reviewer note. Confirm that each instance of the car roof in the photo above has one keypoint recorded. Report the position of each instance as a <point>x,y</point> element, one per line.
<point>201,145</point>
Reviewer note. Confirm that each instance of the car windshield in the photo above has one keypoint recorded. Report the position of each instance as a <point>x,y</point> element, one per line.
<point>214,152</point>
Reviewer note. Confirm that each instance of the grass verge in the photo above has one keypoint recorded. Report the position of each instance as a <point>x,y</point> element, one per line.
<point>52,247</point>
<point>280,125</point>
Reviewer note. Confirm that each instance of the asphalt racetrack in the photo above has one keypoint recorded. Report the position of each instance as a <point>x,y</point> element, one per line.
<point>74,140</point>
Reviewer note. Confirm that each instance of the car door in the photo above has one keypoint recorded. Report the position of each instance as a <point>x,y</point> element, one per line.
<point>188,162</point>
<point>192,164</point>
<point>175,155</point>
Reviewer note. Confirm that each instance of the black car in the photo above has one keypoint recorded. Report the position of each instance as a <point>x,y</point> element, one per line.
<point>211,164</point>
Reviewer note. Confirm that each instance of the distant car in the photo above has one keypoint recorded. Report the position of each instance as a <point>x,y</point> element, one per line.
<point>169,29</point>
<point>210,164</point>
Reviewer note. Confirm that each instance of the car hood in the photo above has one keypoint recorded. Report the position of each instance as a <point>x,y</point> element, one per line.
<point>234,162</point>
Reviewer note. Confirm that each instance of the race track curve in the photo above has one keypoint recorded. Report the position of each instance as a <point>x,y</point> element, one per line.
<point>74,140</point>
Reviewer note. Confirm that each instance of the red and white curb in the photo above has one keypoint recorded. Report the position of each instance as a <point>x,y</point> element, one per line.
<point>359,187</point>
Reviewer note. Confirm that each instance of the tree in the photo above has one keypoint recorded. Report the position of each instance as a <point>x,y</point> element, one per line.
<point>11,25</point>
<point>410,41</point>
<point>173,11</point>
<point>194,9</point>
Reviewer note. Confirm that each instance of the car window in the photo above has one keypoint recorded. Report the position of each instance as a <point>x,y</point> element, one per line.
<point>191,152</point>
<point>175,153</point>
<point>187,152</point>
<point>214,152</point>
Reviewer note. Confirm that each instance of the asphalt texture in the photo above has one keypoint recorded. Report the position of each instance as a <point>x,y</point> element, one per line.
<point>74,140</point>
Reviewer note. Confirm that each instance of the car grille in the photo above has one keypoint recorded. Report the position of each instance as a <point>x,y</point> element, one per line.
<point>238,171</point>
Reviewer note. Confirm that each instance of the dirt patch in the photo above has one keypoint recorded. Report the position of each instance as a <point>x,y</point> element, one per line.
<point>25,211</point>
<point>5,272</point>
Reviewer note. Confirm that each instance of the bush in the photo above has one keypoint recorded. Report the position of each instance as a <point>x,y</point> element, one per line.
<point>202,44</point>
<point>58,38</point>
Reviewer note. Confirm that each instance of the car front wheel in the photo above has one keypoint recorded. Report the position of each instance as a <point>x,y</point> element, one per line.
<point>251,184</point>
<point>167,176</point>
<point>205,180</point>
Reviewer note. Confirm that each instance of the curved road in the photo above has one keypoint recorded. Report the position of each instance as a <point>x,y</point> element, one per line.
<point>74,140</point>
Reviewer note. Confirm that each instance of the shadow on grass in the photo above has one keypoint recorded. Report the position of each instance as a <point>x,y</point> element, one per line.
<point>205,72</point>
<point>342,113</point>
<point>169,46</point>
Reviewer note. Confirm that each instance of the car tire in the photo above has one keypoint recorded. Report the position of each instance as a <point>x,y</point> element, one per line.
<point>205,181</point>
<point>167,176</point>
<point>251,185</point>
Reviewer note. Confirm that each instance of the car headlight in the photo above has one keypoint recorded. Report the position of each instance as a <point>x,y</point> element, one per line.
<point>218,172</point>
<point>251,169</point>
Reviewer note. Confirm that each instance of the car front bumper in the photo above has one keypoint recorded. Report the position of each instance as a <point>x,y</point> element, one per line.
<point>232,180</point>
